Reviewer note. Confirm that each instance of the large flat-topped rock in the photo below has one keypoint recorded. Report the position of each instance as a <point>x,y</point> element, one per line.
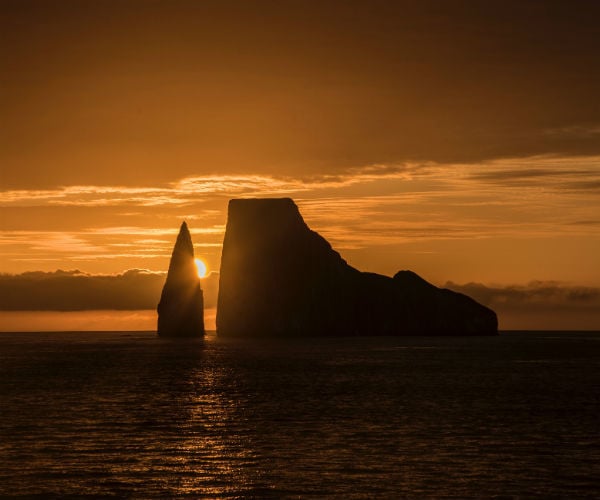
<point>279,278</point>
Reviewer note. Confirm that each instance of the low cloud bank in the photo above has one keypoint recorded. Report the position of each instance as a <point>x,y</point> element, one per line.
<point>537,305</point>
<point>135,289</point>
<point>544,305</point>
<point>536,295</point>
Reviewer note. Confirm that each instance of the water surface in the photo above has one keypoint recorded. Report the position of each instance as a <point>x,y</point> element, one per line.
<point>131,415</point>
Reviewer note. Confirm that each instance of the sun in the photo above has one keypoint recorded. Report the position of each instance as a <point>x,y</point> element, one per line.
<point>200,268</point>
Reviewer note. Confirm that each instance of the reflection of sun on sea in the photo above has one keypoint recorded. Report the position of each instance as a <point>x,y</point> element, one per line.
<point>201,268</point>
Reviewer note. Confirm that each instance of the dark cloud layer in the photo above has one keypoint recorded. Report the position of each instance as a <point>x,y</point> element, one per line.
<point>539,305</point>
<point>536,296</point>
<point>76,291</point>
<point>140,289</point>
<point>556,303</point>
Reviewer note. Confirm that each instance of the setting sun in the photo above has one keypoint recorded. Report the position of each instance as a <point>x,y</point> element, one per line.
<point>201,268</point>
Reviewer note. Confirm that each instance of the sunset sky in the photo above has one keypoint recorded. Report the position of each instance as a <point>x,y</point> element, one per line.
<point>458,139</point>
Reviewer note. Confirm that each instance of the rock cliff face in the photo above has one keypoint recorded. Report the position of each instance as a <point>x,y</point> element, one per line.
<point>279,278</point>
<point>181,306</point>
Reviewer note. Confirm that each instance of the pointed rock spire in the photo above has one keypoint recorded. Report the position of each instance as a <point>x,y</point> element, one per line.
<point>181,306</point>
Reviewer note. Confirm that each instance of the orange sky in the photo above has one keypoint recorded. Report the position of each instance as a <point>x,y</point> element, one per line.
<point>461,141</point>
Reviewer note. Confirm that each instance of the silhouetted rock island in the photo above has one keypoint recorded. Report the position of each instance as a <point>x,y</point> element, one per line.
<point>181,306</point>
<point>279,278</point>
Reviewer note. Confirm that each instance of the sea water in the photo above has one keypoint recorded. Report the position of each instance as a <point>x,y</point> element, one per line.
<point>131,415</point>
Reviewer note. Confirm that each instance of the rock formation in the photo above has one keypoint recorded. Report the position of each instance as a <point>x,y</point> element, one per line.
<point>181,306</point>
<point>279,278</point>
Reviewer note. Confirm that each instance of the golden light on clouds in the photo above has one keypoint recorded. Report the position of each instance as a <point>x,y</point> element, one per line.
<point>448,221</point>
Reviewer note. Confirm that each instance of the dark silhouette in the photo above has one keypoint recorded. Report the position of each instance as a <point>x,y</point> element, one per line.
<point>279,278</point>
<point>181,306</point>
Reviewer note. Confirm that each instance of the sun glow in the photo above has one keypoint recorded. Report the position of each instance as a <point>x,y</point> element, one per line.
<point>201,268</point>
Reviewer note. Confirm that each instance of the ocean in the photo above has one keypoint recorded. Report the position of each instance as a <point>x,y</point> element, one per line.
<point>130,415</point>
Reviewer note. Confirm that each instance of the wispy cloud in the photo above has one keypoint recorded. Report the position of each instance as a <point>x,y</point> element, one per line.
<point>131,230</point>
<point>544,173</point>
<point>89,196</point>
<point>579,131</point>
<point>379,204</point>
<point>102,243</point>
<point>197,188</point>
<point>553,172</point>
<point>49,241</point>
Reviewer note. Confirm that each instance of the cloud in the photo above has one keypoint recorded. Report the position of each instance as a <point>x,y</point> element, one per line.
<point>101,243</point>
<point>195,189</point>
<point>129,230</point>
<point>539,305</point>
<point>577,131</point>
<point>535,296</point>
<point>135,289</point>
<point>372,205</point>
<point>550,172</point>
<point>525,173</point>
<point>553,172</point>
<point>140,289</point>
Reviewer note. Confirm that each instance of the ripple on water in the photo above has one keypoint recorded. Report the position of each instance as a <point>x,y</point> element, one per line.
<point>131,415</point>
